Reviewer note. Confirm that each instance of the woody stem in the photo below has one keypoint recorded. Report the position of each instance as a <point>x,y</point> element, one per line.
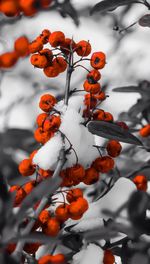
<point>70,70</point>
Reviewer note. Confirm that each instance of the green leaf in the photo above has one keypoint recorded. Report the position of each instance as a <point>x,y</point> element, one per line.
<point>144,21</point>
<point>107,5</point>
<point>112,131</point>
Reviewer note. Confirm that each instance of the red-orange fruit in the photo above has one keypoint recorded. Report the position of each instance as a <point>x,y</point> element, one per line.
<point>140,182</point>
<point>113,148</point>
<point>103,164</point>
<point>26,167</point>
<point>83,48</point>
<point>91,176</point>
<point>56,38</point>
<point>74,194</point>
<point>98,60</point>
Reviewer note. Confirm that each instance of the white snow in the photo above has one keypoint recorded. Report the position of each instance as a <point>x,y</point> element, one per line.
<point>92,254</point>
<point>113,200</point>
<point>47,156</point>
<point>79,136</point>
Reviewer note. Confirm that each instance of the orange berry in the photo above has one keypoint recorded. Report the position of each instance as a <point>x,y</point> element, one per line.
<point>52,123</point>
<point>92,88</point>
<point>68,45</point>
<point>39,61</point>
<point>45,259</point>
<point>10,248</point>
<point>78,207</point>
<point>42,136</point>
<point>41,119</point>
<point>62,213</point>
<point>77,172</point>
<point>93,76</point>
<point>108,257</point>
<point>51,71</point>
<point>145,131</point>
<point>28,7</point>
<point>58,259</point>
<point>55,259</point>
<point>113,148</point>
<point>47,102</point>
<point>29,186</point>
<point>9,7</point>
<point>56,38</point>
<point>48,54</point>
<point>26,168</point>
<point>52,227</point>
<point>45,173</point>
<point>140,182</point>
<point>74,194</point>
<point>100,96</point>
<point>44,216</point>
<point>90,101</point>
<point>60,63</point>
<point>103,164</point>
<point>98,60</point>
<point>74,210</point>
<point>21,46</point>
<point>108,117</point>
<point>99,115</point>
<point>20,194</point>
<point>35,46</point>
<point>123,125</point>
<point>83,48</point>
<point>83,204</point>
<point>31,248</point>
<point>44,36</point>
<point>8,59</point>
<point>91,176</point>
<point>45,3</point>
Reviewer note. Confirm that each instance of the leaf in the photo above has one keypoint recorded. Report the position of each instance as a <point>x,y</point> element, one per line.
<point>112,131</point>
<point>127,89</point>
<point>143,88</point>
<point>144,21</point>
<point>139,107</point>
<point>126,117</point>
<point>68,9</point>
<point>72,241</point>
<point>107,5</point>
<point>17,139</point>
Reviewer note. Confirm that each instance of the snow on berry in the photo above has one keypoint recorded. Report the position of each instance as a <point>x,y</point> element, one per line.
<point>47,156</point>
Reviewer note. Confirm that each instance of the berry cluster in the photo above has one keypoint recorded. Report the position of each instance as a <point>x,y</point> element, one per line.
<point>55,60</point>
<point>13,8</point>
<point>21,49</point>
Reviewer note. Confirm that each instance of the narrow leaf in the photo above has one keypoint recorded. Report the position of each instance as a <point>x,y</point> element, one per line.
<point>112,131</point>
<point>107,5</point>
<point>145,21</point>
<point>128,89</point>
